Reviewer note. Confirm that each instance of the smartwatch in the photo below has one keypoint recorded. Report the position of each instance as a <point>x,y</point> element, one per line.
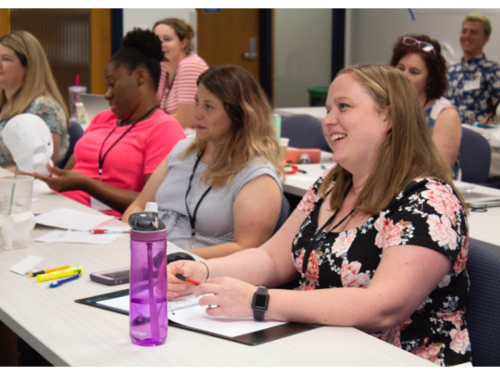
<point>260,303</point>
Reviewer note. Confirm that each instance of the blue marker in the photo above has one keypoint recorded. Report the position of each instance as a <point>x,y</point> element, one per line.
<point>55,284</point>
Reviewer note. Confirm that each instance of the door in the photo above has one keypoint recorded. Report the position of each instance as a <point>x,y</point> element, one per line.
<point>76,41</point>
<point>229,36</point>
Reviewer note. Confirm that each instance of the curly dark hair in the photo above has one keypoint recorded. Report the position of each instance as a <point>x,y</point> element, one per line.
<point>436,64</point>
<point>141,48</point>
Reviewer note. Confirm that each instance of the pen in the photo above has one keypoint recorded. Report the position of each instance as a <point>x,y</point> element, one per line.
<point>59,274</point>
<point>301,171</point>
<point>57,283</point>
<point>181,277</point>
<point>109,231</point>
<point>48,271</point>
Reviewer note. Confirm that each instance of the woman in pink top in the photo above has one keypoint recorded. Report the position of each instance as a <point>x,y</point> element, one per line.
<point>179,71</point>
<point>123,146</point>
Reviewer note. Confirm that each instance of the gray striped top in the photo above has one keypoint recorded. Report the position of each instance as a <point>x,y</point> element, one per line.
<point>214,219</point>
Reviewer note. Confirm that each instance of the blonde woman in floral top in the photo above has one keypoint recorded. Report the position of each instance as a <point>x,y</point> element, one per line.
<point>379,242</point>
<point>27,86</point>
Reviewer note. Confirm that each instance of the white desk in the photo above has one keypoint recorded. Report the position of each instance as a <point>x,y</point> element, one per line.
<point>483,226</point>
<point>67,333</point>
<point>318,112</point>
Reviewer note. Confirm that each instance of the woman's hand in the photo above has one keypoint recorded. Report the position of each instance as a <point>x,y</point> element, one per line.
<point>232,297</point>
<point>65,180</point>
<point>188,268</point>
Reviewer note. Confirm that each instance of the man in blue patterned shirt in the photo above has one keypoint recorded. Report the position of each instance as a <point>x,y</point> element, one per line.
<point>474,83</point>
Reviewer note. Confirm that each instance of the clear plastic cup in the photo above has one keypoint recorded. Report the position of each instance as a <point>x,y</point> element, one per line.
<point>16,219</point>
<point>74,91</point>
<point>284,147</point>
<point>19,190</point>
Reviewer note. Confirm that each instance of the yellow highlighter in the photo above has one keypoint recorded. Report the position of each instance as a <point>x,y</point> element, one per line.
<point>57,275</point>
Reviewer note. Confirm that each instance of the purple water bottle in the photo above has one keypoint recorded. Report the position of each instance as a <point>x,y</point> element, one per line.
<point>148,279</point>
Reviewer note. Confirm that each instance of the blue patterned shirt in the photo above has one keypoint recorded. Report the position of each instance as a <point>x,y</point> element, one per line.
<point>472,88</point>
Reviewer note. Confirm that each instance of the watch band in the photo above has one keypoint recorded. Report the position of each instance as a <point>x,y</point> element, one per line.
<point>260,303</point>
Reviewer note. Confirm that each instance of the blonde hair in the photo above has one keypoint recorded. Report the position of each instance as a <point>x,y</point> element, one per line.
<point>478,17</point>
<point>251,136</point>
<point>182,29</point>
<point>407,152</point>
<point>38,80</point>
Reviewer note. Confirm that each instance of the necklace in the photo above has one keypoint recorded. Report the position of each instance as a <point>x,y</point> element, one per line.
<point>315,241</point>
<point>163,102</point>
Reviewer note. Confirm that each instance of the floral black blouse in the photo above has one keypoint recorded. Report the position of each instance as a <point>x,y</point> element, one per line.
<point>426,213</point>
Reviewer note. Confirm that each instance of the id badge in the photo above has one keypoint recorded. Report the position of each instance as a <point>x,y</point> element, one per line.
<point>98,205</point>
<point>472,85</point>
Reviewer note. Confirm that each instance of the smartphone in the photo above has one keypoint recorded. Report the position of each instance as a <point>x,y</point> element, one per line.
<point>112,277</point>
<point>484,204</point>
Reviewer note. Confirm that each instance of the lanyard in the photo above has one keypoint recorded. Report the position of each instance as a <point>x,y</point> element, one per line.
<point>319,232</point>
<point>102,158</point>
<point>168,93</point>
<point>192,219</point>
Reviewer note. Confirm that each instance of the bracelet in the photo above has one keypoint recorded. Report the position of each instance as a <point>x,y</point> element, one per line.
<point>208,272</point>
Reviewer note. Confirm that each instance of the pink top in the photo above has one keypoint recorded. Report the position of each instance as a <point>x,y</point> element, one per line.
<point>184,86</point>
<point>138,153</point>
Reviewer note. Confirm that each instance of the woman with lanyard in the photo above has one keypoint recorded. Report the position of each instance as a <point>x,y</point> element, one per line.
<point>122,147</point>
<point>179,71</point>
<point>419,58</point>
<point>221,192</point>
<point>379,242</point>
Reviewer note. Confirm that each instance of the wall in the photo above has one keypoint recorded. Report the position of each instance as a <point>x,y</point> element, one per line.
<point>145,18</point>
<point>371,33</point>
<point>302,54</point>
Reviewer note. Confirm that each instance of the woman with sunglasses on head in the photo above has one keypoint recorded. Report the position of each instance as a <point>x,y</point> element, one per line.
<point>179,71</point>
<point>419,58</point>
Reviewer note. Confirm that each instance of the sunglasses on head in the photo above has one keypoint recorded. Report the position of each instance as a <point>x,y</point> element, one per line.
<point>411,41</point>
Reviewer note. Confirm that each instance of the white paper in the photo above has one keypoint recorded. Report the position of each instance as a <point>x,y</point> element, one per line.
<point>66,218</point>
<point>196,317</point>
<point>120,303</point>
<point>302,177</point>
<point>40,187</point>
<point>98,205</point>
<point>79,237</point>
<point>186,311</point>
<point>26,265</point>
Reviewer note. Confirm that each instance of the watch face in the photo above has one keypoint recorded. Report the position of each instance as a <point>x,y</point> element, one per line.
<point>260,300</point>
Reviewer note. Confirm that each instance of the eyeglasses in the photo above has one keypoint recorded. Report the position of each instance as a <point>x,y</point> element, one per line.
<point>427,47</point>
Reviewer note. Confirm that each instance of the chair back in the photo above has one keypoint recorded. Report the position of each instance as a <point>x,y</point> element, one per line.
<point>483,308</point>
<point>75,132</point>
<point>475,153</point>
<point>304,131</point>
<point>284,213</point>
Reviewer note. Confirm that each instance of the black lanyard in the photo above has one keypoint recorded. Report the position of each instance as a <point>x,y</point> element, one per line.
<point>319,232</point>
<point>102,158</point>
<point>168,93</point>
<point>192,219</point>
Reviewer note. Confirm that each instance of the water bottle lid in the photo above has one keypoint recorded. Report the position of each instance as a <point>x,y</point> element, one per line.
<point>146,222</point>
<point>151,207</point>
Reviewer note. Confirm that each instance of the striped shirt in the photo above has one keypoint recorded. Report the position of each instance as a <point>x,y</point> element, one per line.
<point>184,86</point>
<point>214,219</point>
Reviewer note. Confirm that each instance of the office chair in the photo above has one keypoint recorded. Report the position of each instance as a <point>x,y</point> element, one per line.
<point>483,309</point>
<point>75,132</point>
<point>304,131</point>
<point>284,213</point>
<point>475,152</point>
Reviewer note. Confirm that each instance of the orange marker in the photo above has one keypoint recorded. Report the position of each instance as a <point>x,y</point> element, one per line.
<point>181,277</point>
<point>48,271</point>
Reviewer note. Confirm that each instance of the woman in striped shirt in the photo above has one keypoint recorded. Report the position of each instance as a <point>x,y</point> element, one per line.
<point>180,71</point>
